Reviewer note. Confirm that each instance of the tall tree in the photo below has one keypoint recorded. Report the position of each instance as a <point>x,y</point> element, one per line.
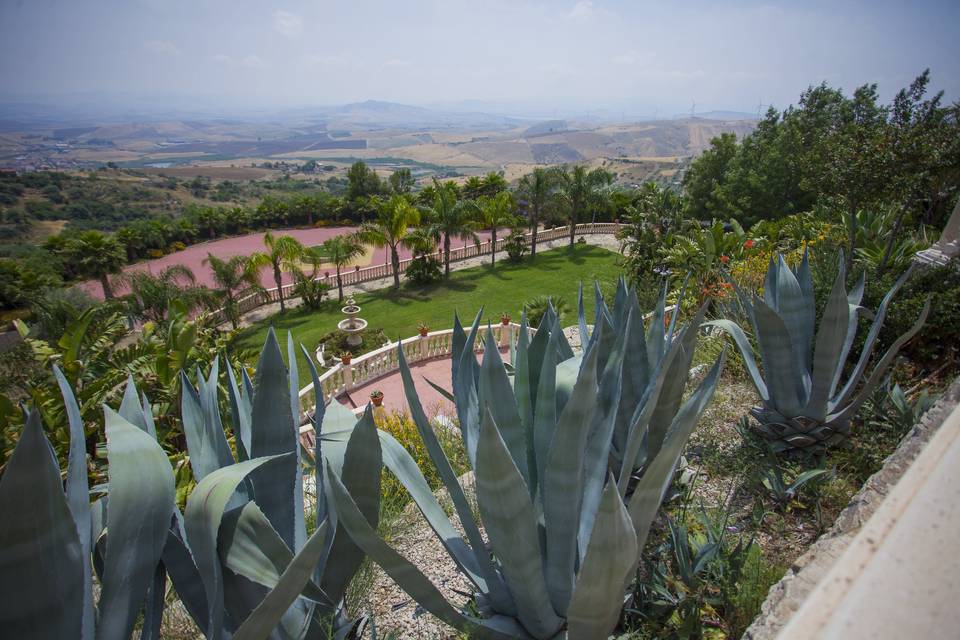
<point>339,251</point>
<point>362,181</point>
<point>283,254</point>
<point>496,211</point>
<point>401,181</point>
<point>235,278</point>
<point>92,254</point>
<point>449,217</point>
<point>391,228</point>
<point>582,190</point>
<point>537,189</point>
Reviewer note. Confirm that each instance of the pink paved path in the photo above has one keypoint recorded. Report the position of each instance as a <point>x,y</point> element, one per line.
<point>194,255</point>
<point>437,370</point>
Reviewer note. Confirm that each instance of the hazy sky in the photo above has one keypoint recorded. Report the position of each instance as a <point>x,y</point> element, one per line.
<point>632,56</point>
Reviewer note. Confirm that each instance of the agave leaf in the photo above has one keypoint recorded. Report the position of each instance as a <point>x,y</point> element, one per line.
<point>499,596</point>
<point>798,317</point>
<point>598,595</point>
<point>400,570</point>
<point>582,320</point>
<point>299,524</point>
<point>204,513</point>
<point>508,517</point>
<point>295,577</point>
<point>562,489</point>
<point>206,441</point>
<point>496,395</point>
<point>746,351</point>
<point>130,408</point>
<point>443,392</point>
<point>148,416</point>
<point>274,432</point>
<point>141,504</point>
<point>361,474</point>
<point>545,416</point>
<point>536,351</point>
<point>597,456</point>
<point>770,291</point>
<point>674,383</point>
<point>848,389</point>
<point>241,414</point>
<point>653,484</point>
<point>465,390</point>
<point>153,608</point>
<point>178,561</point>
<point>656,345</point>
<point>319,409</point>
<point>853,299</point>
<point>779,361</point>
<point>78,495</point>
<point>830,338</point>
<point>40,552</point>
<point>641,419</point>
<point>849,410</point>
<point>250,547</point>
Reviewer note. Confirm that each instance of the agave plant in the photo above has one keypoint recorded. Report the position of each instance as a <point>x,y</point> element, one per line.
<point>804,404</point>
<point>239,556</point>
<point>565,512</point>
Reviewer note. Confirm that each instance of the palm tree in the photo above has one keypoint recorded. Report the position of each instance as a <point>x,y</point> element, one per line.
<point>450,217</point>
<point>92,254</point>
<point>339,251</point>
<point>391,228</point>
<point>582,189</point>
<point>283,253</point>
<point>235,277</point>
<point>537,188</point>
<point>151,296</point>
<point>496,212</point>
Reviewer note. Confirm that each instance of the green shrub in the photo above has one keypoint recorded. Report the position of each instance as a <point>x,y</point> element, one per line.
<point>424,269</point>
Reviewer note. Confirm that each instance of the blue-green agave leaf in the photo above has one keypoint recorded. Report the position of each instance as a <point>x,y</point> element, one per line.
<point>141,504</point>
<point>829,348</point>
<point>606,569</point>
<point>507,514</point>
<point>41,564</point>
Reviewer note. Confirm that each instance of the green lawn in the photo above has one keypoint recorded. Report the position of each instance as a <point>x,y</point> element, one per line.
<point>504,289</point>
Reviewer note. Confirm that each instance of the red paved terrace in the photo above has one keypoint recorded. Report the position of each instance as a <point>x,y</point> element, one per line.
<point>194,255</point>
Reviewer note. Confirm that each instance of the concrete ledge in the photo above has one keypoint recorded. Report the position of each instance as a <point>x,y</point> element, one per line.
<point>826,558</point>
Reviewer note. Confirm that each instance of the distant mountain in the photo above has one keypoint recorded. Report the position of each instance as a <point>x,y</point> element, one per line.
<point>546,127</point>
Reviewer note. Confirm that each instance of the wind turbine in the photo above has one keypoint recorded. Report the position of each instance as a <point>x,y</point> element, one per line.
<point>693,110</point>
<point>760,106</point>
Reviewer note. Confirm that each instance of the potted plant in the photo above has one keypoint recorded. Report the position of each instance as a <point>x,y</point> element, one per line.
<point>504,318</point>
<point>424,330</point>
<point>376,397</point>
<point>345,357</point>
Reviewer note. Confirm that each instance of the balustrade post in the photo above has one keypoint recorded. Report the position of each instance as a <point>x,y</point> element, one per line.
<point>347,376</point>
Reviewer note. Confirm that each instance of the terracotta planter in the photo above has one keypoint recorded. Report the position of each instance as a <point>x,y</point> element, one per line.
<point>377,400</point>
<point>424,331</point>
<point>505,321</point>
<point>345,359</point>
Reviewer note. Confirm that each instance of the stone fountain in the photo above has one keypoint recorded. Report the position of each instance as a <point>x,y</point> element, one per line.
<point>352,325</point>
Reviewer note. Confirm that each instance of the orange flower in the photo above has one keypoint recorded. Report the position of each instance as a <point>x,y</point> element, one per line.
<point>748,244</point>
<point>724,259</point>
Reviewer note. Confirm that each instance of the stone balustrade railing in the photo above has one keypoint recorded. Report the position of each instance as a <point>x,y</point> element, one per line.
<point>377,272</point>
<point>341,378</point>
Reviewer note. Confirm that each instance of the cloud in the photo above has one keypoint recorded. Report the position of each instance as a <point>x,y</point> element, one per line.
<point>287,24</point>
<point>222,58</point>
<point>253,61</point>
<point>632,57</point>
<point>162,47</point>
<point>582,10</point>
<point>397,63</point>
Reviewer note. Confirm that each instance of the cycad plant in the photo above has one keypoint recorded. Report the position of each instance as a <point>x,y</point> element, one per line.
<point>565,514</point>
<point>806,405</point>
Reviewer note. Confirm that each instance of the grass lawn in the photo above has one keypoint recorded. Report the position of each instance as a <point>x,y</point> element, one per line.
<point>398,312</point>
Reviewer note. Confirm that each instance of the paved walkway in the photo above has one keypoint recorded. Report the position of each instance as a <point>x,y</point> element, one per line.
<point>437,370</point>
